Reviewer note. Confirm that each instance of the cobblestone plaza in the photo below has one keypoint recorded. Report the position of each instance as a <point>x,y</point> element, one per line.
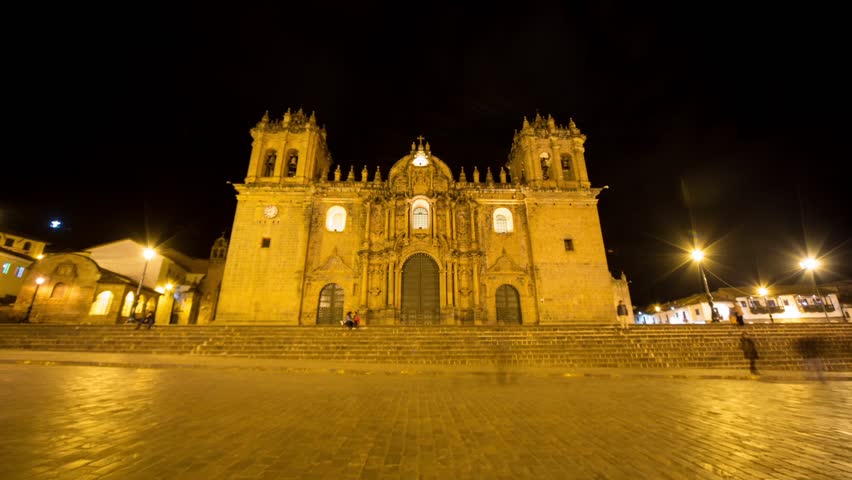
<point>253,421</point>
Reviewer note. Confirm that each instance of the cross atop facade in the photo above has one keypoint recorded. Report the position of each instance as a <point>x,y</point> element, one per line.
<point>420,139</point>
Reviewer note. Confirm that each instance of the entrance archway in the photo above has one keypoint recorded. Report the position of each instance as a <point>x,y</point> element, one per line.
<point>421,300</point>
<point>508,305</point>
<point>330,309</point>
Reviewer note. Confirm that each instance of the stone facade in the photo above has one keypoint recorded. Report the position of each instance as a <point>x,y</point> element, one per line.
<point>522,245</point>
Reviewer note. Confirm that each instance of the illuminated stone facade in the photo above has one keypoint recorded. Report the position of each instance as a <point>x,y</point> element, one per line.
<point>518,246</point>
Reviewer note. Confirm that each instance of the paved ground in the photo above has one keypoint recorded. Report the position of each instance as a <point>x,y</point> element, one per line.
<point>160,417</point>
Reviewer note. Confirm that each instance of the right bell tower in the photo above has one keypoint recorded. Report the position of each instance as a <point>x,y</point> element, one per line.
<point>548,155</point>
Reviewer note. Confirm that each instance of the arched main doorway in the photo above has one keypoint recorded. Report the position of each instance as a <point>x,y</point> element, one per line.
<point>330,309</point>
<point>421,301</point>
<point>508,305</point>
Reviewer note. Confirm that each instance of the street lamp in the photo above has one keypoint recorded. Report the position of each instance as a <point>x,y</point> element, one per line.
<point>148,253</point>
<point>698,256</point>
<point>764,292</point>
<point>39,281</point>
<point>811,264</point>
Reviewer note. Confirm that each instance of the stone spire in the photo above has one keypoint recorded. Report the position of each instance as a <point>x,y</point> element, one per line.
<point>364,174</point>
<point>502,175</point>
<point>462,177</point>
<point>337,174</point>
<point>350,177</point>
<point>378,177</point>
<point>475,175</point>
<point>489,179</point>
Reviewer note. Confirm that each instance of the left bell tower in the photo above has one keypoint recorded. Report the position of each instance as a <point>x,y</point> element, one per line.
<point>290,150</point>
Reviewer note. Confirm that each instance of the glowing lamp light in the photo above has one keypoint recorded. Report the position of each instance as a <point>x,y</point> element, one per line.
<point>159,290</point>
<point>169,287</point>
<point>39,280</point>
<point>420,159</point>
<point>39,256</point>
<point>657,308</point>
<point>55,224</point>
<point>149,253</point>
<point>762,291</point>
<point>809,263</point>
<point>697,255</point>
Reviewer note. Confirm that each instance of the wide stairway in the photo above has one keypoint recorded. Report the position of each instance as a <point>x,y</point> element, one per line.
<point>640,346</point>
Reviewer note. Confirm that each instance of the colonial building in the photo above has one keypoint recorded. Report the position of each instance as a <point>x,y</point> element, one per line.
<point>784,304</point>
<point>521,245</point>
<point>17,253</point>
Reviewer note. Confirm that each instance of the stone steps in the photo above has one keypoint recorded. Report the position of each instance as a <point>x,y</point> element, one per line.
<point>652,346</point>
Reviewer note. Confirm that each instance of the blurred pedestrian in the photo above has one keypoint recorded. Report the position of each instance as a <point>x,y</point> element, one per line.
<point>810,348</point>
<point>621,311</point>
<point>356,320</point>
<point>738,310</point>
<point>348,322</point>
<point>749,352</point>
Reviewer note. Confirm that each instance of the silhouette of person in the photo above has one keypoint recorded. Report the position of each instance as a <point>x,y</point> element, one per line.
<point>749,352</point>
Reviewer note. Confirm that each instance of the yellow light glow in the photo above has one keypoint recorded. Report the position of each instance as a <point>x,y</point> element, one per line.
<point>657,308</point>
<point>40,280</point>
<point>697,255</point>
<point>809,263</point>
<point>169,286</point>
<point>159,290</point>
<point>149,253</point>
<point>39,256</point>
<point>762,291</point>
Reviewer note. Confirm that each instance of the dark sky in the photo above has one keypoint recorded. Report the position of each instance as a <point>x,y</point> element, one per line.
<point>700,117</point>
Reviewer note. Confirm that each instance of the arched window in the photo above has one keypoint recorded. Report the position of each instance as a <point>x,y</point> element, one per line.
<point>102,303</point>
<point>140,305</point>
<point>151,305</point>
<point>545,165</point>
<point>292,162</point>
<point>420,215</point>
<point>503,221</point>
<point>27,246</point>
<point>58,291</point>
<point>335,219</point>
<point>269,163</point>
<point>567,172</point>
<point>128,304</point>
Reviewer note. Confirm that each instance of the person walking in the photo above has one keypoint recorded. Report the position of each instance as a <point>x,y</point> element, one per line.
<point>749,352</point>
<point>738,310</point>
<point>810,348</point>
<point>621,311</point>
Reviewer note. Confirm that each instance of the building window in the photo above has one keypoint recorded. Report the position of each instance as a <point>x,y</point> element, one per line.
<point>503,221</point>
<point>743,303</point>
<point>19,272</point>
<point>128,304</point>
<point>101,304</point>
<point>786,302</point>
<point>58,291</point>
<point>6,267</point>
<point>421,218</point>
<point>264,243</point>
<point>569,245</point>
<point>420,215</point>
<point>567,173</point>
<point>269,163</point>
<point>335,219</point>
<point>771,302</point>
<point>292,162</point>
<point>9,242</point>
<point>697,312</point>
<point>27,246</point>
<point>545,165</point>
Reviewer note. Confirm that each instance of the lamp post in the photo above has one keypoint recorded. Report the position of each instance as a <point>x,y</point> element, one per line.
<point>148,253</point>
<point>38,281</point>
<point>698,256</point>
<point>811,264</point>
<point>764,292</point>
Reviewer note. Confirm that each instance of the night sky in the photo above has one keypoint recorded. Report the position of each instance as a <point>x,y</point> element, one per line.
<point>702,118</point>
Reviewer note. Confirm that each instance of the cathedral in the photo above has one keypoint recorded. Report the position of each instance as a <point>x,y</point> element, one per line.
<point>418,245</point>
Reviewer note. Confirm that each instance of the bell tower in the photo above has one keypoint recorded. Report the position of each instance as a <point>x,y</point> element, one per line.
<point>290,150</point>
<point>548,155</point>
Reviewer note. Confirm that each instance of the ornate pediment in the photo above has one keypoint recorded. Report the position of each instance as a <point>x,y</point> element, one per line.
<point>334,264</point>
<point>505,264</point>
